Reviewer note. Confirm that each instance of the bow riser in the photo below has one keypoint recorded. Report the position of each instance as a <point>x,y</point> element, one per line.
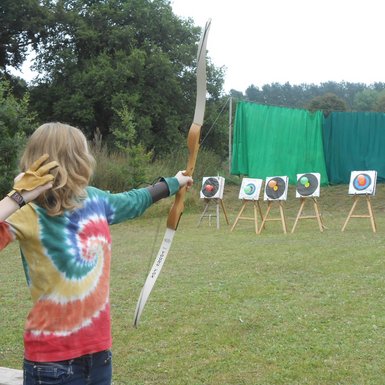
<point>177,208</point>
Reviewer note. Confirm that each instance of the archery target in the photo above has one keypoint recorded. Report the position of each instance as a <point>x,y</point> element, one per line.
<point>212,187</point>
<point>276,188</point>
<point>308,185</point>
<point>363,182</point>
<point>250,189</point>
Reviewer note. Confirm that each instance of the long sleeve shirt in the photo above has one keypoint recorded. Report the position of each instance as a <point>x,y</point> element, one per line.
<point>67,259</point>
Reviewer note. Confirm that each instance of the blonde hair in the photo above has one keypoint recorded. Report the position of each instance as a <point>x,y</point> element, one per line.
<point>68,146</point>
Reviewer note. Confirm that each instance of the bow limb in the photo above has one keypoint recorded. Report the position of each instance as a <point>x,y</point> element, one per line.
<point>178,206</point>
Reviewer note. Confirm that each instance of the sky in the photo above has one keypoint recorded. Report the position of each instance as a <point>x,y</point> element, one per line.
<point>297,41</point>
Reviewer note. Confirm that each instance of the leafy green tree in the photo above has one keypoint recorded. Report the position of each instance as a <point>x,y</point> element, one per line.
<point>365,100</point>
<point>380,102</point>
<point>327,103</point>
<point>103,54</point>
<point>237,95</point>
<point>254,94</point>
<point>15,122</point>
<point>22,26</point>
<point>136,155</point>
<point>378,86</point>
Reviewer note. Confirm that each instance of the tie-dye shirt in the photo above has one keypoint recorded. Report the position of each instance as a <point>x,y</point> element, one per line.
<point>67,264</point>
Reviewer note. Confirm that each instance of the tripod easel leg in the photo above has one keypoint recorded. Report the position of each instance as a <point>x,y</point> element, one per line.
<point>318,215</point>
<point>238,216</point>
<point>283,219</point>
<point>224,212</point>
<point>204,213</point>
<point>255,216</point>
<point>217,210</point>
<point>299,214</point>
<point>372,220</point>
<point>265,217</point>
<point>260,211</point>
<point>350,212</point>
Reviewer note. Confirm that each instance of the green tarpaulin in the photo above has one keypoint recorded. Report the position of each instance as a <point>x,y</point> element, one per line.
<point>354,141</point>
<point>277,141</point>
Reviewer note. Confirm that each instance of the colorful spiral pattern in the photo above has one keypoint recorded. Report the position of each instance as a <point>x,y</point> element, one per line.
<point>78,272</point>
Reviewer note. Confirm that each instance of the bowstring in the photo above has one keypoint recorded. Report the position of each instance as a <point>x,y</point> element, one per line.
<point>215,121</point>
<point>155,239</point>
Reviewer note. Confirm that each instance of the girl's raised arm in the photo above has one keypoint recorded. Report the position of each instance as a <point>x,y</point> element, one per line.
<point>28,186</point>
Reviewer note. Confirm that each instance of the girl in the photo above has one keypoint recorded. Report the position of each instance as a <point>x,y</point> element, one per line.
<point>62,226</point>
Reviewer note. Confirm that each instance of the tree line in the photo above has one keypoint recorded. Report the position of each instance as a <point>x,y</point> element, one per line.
<point>328,96</point>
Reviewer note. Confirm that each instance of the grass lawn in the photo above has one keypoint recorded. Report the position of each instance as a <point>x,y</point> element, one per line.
<point>232,308</point>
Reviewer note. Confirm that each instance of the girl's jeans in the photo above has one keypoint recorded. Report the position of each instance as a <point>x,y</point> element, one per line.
<point>91,369</point>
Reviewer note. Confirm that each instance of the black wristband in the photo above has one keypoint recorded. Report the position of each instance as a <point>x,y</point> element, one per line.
<point>159,191</point>
<point>17,197</point>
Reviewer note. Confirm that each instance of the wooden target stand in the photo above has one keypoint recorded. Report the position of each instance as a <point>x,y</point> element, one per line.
<point>316,216</point>
<point>208,214</point>
<point>370,214</point>
<point>281,218</point>
<point>256,209</point>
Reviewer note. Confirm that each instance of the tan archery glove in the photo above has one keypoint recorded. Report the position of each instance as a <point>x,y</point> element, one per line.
<point>37,175</point>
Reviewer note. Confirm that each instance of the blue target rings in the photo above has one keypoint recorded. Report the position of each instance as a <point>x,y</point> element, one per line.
<point>362,182</point>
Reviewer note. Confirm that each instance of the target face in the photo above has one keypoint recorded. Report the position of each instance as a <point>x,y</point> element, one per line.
<point>308,185</point>
<point>276,188</point>
<point>250,189</point>
<point>363,182</point>
<point>212,187</point>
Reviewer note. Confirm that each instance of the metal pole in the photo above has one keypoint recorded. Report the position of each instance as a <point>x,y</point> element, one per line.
<point>230,130</point>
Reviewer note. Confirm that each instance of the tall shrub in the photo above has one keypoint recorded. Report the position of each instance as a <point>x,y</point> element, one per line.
<point>15,122</point>
<point>125,166</point>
